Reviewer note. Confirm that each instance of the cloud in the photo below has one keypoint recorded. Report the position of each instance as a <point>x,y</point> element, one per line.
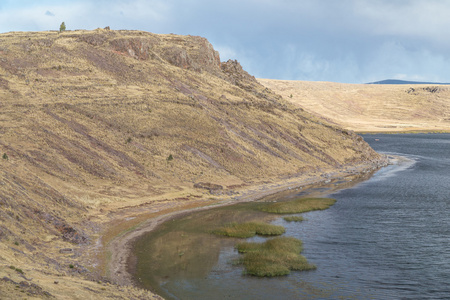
<point>402,62</point>
<point>328,40</point>
<point>415,18</point>
<point>146,15</point>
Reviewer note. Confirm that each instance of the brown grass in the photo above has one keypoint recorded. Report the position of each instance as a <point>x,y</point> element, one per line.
<point>371,108</point>
<point>88,120</point>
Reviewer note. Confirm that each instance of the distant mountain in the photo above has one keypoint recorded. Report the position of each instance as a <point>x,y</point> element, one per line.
<point>396,81</point>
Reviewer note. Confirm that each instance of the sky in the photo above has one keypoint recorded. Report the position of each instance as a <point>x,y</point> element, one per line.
<point>348,41</point>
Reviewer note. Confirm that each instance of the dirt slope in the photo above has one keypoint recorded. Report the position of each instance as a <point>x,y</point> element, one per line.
<point>99,127</point>
<point>371,108</point>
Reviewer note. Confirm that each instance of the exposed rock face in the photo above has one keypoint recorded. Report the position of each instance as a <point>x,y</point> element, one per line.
<point>429,89</point>
<point>235,74</point>
<point>192,52</point>
<point>138,48</point>
<point>203,56</point>
<point>208,186</point>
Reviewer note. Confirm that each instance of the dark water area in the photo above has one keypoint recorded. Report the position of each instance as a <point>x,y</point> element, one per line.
<point>385,238</point>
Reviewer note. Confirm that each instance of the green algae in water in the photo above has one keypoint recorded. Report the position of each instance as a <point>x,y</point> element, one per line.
<point>249,229</point>
<point>301,205</point>
<point>294,219</point>
<point>275,257</point>
<point>185,248</point>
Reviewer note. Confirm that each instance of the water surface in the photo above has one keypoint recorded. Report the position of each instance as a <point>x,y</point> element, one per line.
<point>385,238</point>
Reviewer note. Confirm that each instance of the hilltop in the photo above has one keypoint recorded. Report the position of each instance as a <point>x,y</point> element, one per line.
<point>371,107</point>
<point>397,81</point>
<point>103,129</point>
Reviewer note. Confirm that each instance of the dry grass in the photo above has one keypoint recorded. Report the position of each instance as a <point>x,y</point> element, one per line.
<point>371,108</point>
<point>88,120</point>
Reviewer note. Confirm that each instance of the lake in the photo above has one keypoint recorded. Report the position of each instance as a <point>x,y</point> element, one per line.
<point>385,238</point>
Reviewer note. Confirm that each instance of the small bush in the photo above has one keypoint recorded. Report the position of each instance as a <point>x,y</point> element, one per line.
<point>246,230</point>
<point>298,206</point>
<point>5,156</point>
<point>16,269</point>
<point>71,266</point>
<point>170,158</point>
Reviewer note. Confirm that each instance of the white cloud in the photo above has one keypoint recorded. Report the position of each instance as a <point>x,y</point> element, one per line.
<point>345,40</point>
<point>36,18</point>
<point>84,15</point>
<point>416,18</point>
<point>394,60</point>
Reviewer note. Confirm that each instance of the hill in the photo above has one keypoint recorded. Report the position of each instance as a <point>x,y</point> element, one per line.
<point>103,129</point>
<point>371,107</point>
<point>396,81</point>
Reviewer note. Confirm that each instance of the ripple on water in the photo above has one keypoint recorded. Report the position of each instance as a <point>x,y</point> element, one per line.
<point>385,238</point>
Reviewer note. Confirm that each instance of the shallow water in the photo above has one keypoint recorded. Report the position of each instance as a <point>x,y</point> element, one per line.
<point>385,238</point>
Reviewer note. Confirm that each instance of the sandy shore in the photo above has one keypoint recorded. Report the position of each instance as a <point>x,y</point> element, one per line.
<point>120,247</point>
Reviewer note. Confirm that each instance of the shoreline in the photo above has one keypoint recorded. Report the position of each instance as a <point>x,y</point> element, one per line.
<point>120,247</point>
<point>411,131</point>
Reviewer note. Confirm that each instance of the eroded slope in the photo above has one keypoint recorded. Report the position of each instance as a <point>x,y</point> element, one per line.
<point>94,123</point>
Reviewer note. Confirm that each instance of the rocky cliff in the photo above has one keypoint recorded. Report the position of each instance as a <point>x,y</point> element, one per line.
<point>93,123</point>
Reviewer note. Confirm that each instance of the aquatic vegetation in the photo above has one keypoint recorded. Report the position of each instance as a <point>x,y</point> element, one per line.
<point>298,206</point>
<point>294,219</point>
<point>249,229</point>
<point>275,257</point>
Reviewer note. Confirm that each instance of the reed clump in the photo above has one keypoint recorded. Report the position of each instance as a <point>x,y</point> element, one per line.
<point>249,229</point>
<point>298,206</point>
<point>294,219</point>
<point>275,257</point>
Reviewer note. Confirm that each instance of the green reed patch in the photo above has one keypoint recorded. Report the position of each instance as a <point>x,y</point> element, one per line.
<point>275,257</point>
<point>298,206</point>
<point>249,229</point>
<point>294,219</point>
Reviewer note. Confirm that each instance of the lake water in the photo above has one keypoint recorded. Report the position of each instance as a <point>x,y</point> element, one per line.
<point>385,238</point>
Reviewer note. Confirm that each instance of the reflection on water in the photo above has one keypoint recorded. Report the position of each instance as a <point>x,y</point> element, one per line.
<point>183,260</point>
<point>385,238</point>
<point>185,248</point>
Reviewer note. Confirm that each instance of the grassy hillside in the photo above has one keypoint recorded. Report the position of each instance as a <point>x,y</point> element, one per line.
<point>371,107</point>
<point>94,124</point>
